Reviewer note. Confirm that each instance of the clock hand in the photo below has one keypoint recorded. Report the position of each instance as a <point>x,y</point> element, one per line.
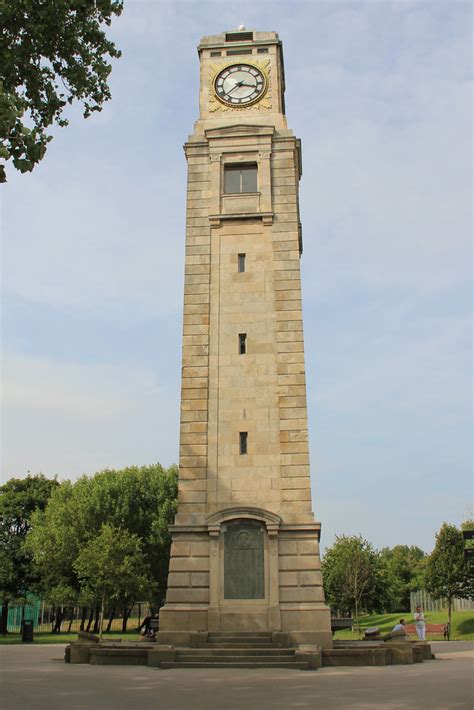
<point>239,83</point>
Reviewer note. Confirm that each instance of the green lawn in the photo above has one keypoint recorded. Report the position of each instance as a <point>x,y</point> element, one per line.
<point>462,624</point>
<point>43,637</point>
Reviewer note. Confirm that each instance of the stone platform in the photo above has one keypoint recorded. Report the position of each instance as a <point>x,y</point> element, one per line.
<point>247,650</point>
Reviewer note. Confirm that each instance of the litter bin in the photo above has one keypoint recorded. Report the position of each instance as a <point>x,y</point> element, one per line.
<point>27,631</point>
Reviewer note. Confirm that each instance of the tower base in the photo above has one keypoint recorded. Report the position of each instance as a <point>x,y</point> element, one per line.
<point>245,571</point>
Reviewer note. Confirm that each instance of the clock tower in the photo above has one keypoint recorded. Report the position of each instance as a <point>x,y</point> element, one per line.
<point>245,544</point>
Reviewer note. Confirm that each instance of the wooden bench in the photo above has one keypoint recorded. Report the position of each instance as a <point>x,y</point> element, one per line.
<point>341,623</point>
<point>430,629</point>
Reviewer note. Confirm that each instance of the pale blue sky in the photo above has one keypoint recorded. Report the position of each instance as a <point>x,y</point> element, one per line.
<point>93,244</point>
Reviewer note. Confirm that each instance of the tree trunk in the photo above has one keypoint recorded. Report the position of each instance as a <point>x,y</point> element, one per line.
<point>96,620</point>
<point>91,617</point>
<point>4,618</point>
<point>450,604</point>
<point>111,618</point>
<point>356,605</point>
<point>71,619</point>
<point>101,626</point>
<point>126,615</point>
<point>83,618</point>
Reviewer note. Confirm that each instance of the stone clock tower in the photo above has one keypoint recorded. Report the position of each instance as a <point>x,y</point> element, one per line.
<point>245,550</point>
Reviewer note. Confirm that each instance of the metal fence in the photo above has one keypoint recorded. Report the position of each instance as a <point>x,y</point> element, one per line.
<point>423,599</point>
<point>43,617</point>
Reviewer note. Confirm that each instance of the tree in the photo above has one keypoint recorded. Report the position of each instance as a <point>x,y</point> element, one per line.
<point>19,499</point>
<point>52,54</point>
<point>111,567</point>
<point>448,575</point>
<point>353,576</point>
<point>139,500</point>
<point>404,569</point>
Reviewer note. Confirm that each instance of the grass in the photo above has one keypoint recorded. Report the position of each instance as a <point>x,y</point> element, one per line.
<point>462,628</point>
<point>44,637</point>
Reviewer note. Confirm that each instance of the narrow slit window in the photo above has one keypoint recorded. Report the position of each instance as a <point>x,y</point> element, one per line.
<point>241,263</point>
<point>243,437</point>
<point>240,178</point>
<point>242,343</point>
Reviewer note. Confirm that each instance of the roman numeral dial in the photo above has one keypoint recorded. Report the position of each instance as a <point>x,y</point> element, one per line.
<point>240,85</point>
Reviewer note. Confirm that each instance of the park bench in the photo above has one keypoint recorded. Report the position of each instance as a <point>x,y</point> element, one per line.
<point>430,629</point>
<point>341,623</point>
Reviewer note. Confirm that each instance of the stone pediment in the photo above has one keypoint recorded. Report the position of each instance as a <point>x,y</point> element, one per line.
<point>239,130</point>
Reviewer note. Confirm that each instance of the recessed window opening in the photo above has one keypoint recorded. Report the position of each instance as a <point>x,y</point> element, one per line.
<point>238,36</point>
<point>215,54</point>
<point>262,50</point>
<point>243,437</point>
<point>242,343</point>
<point>241,263</point>
<point>240,178</point>
<point>235,52</point>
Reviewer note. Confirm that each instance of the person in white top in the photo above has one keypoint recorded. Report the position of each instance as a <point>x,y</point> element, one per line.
<point>400,626</point>
<point>420,623</point>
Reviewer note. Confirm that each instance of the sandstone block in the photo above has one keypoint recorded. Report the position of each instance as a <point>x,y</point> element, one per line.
<point>296,494</point>
<point>193,595</point>
<point>200,579</point>
<point>295,482</point>
<point>287,547</point>
<point>310,578</point>
<point>200,548</point>
<point>188,461</point>
<point>297,563</point>
<point>185,496</point>
<point>288,579</point>
<point>189,564</point>
<point>191,474</point>
<point>194,416</point>
<point>180,549</point>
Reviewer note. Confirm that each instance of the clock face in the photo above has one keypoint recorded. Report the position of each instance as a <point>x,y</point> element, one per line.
<point>240,85</point>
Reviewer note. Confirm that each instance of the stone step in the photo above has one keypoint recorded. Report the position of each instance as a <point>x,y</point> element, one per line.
<point>240,639</point>
<point>236,644</point>
<point>253,651</point>
<point>216,634</point>
<point>302,665</point>
<point>250,658</point>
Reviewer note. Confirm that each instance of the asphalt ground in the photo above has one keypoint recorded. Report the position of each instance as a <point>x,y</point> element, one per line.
<point>34,677</point>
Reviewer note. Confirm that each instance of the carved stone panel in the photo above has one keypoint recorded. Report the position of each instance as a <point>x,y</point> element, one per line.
<point>244,574</point>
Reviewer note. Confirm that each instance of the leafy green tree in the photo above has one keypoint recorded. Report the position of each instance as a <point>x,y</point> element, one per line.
<point>353,576</point>
<point>404,570</point>
<point>448,575</point>
<point>52,54</point>
<point>19,499</point>
<point>139,500</point>
<point>112,567</point>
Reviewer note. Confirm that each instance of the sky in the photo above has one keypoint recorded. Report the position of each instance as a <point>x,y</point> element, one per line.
<point>93,259</point>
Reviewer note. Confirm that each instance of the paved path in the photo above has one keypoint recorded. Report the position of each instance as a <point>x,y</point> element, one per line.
<point>35,678</point>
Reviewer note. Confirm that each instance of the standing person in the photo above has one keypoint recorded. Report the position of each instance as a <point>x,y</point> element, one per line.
<point>420,623</point>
